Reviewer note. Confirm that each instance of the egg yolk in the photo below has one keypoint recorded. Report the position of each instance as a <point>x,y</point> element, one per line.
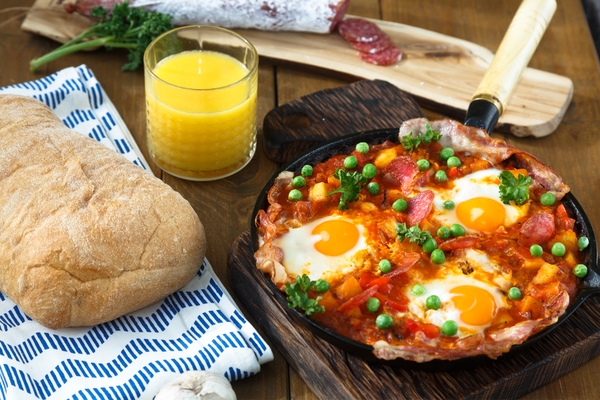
<point>337,237</point>
<point>481,214</point>
<point>477,305</point>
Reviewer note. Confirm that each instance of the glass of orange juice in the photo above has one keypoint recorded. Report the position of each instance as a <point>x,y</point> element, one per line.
<point>201,85</point>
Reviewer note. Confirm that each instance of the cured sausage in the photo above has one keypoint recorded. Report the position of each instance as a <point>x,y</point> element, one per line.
<point>402,171</point>
<point>373,44</point>
<point>420,206</point>
<point>537,230</point>
<point>319,16</point>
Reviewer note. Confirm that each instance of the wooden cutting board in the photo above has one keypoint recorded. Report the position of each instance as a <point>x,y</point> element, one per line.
<point>333,374</point>
<point>440,71</point>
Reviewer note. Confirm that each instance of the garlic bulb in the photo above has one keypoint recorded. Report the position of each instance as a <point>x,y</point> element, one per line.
<point>197,385</point>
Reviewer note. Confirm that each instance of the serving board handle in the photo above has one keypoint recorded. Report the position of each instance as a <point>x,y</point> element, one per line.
<point>518,45</point>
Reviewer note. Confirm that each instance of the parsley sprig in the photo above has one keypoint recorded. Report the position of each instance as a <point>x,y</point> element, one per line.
<point>298,295</point>
<point>350,185</point>
<point>414,234</point>
<point>409,143</point>
<point>125,27</point>
<point>513,188</point>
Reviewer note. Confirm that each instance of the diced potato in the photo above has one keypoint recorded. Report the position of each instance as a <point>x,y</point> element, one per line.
<point>546,274</point>
<point>354,312</point>
<point>529,307</point>
<point>348,289</point>
<point>533,263</point>
<point>328,301</point>
<point>318,193</point>
<point>367,206</point>
<point>568,238</point>
<point>384,157</point>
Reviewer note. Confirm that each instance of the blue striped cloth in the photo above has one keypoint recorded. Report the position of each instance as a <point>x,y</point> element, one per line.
<point>197,328</point>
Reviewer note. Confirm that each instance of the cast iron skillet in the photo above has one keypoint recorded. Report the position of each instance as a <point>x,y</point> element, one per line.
<point>589,286</point>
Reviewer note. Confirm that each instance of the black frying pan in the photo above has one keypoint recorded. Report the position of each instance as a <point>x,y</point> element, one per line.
<point>486,107</point>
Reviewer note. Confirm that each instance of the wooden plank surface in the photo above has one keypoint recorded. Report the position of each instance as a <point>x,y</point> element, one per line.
<point>225,206</point>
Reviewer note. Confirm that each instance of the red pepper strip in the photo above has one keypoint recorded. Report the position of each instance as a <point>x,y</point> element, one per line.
<point>396,306</point>
<point>381,282</point>
<point>358,299</point>
<point>430,330</point>
<point>563,221</point>
<point>408,261</point>
<point>365,279</point>
<point>461,242</point>
<point>453,172</point>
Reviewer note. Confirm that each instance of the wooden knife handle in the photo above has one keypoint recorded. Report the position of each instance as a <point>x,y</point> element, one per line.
<point>515,51</point>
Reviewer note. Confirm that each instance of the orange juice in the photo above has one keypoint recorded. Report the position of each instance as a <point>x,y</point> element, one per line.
<point>201,114</point>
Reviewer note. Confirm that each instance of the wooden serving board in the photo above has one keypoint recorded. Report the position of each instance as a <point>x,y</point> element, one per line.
<point>440,71</point>
<point>333,374</point>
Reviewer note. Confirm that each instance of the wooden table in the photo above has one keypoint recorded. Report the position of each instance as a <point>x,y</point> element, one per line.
<point>225,206</point>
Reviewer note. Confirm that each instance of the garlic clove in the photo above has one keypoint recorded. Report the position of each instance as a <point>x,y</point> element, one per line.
<point>197,385</point>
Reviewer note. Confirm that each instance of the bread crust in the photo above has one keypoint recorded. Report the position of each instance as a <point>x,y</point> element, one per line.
<point>85,235</point>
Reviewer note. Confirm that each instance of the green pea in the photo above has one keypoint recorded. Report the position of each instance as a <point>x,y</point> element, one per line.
<point>295,195</point>
<point>443,232</point>
<point>384,321</point>
<point>373,304</point>
<point>418,289</point>
<point>558,249</point>
<point>547,199</point>
<point>438,256</point>
<point>449,205</point>
<point>536,250</point>
<point>307,170</point>
<point>369,171</point>
<point>583,242</point>
<point>440,176</point>
<point>580,270</point>
<point>321,285</point>
<point>298,181</point>
<point>429,245</point>
<point>373,188</point>
<point>446,153</point>
<point>362,147</point>
<point>433,302</point>
<point>350,162</point>
<point>453,162</point>
<point>385,266</point>
<point>449,328</point>
<point>457,230</point>
<point>514,293</point>
<point>400,205</point>
<point>423,164</point>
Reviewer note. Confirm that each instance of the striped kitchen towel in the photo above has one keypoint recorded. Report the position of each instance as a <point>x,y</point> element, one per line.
<point>197,328</point>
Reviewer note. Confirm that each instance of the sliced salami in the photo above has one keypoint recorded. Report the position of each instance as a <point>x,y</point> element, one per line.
<point>461,242</point>
<point>537,230</point>
<point>377,45</point>
<point>391,55</point>
<point>419,207</point>
<point>402,170</point>
<point>359,30</point>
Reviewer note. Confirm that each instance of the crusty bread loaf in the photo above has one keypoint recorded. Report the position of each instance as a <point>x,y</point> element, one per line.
<point>85,235</point>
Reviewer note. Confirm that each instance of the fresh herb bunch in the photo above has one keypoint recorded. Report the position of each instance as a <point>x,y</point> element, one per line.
<point>513,188</point>
<point>350,185</point>
<point>124,27</point>
<point>298,295</point>
<point>409,143</point>
<point>414,234</point>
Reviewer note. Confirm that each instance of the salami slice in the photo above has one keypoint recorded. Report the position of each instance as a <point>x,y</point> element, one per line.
<point>359,30</point>
<point>377,45</point>
<point>537,230</point>
<point>391,55</point>
<point>402,170</point>
<point>461,242</point>
<point>419,207</point>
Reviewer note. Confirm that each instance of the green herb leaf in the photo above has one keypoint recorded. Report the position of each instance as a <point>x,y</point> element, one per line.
<point>298,295</point>
<point>409,143</point>
<point>515,189</point>
<point>350,185</point>
<point>414,234</point>
<point>123,27</point>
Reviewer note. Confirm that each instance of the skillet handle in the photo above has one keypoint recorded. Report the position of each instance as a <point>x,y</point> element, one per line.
<point>513,55</point>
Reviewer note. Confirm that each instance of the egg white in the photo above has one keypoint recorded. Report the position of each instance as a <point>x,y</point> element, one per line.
<point>485,275</point>
<point>477,184</point>
<point>301,257</point>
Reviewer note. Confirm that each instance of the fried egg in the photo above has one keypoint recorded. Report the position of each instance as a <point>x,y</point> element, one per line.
<point>478,207</point>
<point>471,298</point>
<point>323,248</point>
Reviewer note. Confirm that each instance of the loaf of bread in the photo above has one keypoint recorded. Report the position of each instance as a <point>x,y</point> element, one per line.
<point>85,235</point>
